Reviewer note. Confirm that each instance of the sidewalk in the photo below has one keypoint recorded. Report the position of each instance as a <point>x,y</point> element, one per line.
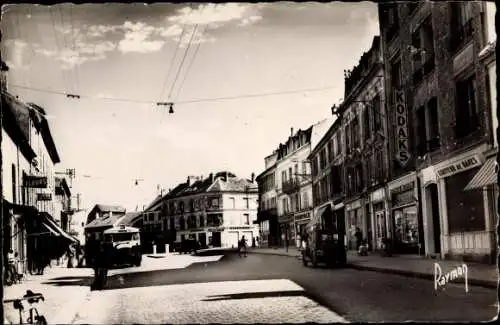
<point>61,300</point>
<point>412,266</point>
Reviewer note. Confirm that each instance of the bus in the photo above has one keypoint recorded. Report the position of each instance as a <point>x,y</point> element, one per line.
<point>127,244</point>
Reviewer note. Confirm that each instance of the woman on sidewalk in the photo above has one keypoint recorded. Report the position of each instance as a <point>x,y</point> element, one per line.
<point>242,247</point>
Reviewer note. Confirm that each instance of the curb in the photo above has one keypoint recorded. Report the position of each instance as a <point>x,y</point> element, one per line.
<point>426,276</point>
<point>410,274</point>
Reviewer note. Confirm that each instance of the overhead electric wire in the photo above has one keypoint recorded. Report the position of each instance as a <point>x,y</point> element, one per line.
<point>200,100</point>
<point>183,59</point>
<point>190,63</point>
<point>77,66</point>
<point>64,76</point>
<point>169,73</point>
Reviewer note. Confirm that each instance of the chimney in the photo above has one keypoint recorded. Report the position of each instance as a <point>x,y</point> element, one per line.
<point>211,177</point>
<point>291,132</point>
<point>253,177</point>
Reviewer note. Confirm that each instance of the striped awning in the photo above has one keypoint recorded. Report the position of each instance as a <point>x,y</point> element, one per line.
<point>487,175</point>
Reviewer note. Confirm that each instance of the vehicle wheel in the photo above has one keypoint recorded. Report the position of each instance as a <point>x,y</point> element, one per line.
<point>138,262</point>
<point>314,261</point>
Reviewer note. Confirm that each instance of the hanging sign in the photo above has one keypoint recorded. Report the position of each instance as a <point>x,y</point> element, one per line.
<point>463,165</point>
<point>402,150</point>
<point>35,181</point>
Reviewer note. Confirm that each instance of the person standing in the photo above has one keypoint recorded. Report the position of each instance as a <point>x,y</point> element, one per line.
<point>242,247</point>
<point>359,238</point>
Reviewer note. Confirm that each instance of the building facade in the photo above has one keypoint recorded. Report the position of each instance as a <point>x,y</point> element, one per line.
<point>32,211</point>
<point>327,164</point>
<point>364,128</point>
<point>217,211</point>
<point>437,90</point>
<point>267,215</point>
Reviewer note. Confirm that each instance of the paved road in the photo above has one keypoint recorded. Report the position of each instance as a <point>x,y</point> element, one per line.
<point>201,294</point>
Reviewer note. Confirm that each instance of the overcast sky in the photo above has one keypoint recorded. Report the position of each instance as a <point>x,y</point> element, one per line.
<point>228,50</point>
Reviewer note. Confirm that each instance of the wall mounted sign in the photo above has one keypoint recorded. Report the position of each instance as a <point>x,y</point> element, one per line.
<point>462,165</point>
<point>44,197</point>
<point>402,150</point>
<point>35,181</point>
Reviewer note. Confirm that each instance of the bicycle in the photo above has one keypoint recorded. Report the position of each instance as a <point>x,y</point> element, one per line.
<point>34,317</point>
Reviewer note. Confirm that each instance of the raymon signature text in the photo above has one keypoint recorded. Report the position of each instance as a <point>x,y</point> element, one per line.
<point>440,279</point>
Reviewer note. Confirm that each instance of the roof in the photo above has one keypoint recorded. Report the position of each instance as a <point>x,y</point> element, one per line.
<point>273,166</point>
<point>320,129</point>
<point>129,218</point>
<point>332,127</point>
<point>109,208</point>
<point>103,222</point>
<point>233,184</point>
<point>38,116</point>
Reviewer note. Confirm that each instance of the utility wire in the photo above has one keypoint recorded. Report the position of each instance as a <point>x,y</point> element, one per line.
<point>190,63</point>
<point>182,62</point>
<point>169,73</point>
<point>77,66</point>
<point>64,75</point>
<point>277,93</point>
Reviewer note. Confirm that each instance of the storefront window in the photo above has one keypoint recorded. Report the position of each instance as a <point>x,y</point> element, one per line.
<point>406,226</point>
<point>465,208</point>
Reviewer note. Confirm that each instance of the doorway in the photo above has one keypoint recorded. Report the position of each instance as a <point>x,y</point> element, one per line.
<point>216,242</point>
<point>436,224</point>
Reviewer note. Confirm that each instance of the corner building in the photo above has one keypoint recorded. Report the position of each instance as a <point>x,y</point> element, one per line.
<point>441,120</point>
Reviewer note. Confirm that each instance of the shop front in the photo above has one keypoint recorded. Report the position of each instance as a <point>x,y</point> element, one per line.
<point>355,221</point>
<point>467,229</point>
<point>404,215</point>
<point>378,207</point>
<point>301,221</point>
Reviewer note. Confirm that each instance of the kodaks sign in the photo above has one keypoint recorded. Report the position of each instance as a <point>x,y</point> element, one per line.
<point>402,150</point>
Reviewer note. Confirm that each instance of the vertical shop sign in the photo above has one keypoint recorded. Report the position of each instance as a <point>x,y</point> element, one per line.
<point>402,150</point>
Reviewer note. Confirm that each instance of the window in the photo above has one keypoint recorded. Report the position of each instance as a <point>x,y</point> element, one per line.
<point>305,200</point>
<point>339,143</point>
<point>290,173</point>
<point>423,51</point>
<point>433,124</point>
<point>466,210</point>
<point>283,176</point>
<point>296,171</point>
<point>348,138</point>
<point>304,167</point>
<point>232,202</point>
<point>377,118</point>
<point>467,117</point>
<point>368,169</point>
<point>392,19</point>
<point>421,132</point>
<point>247,203</point>
<point>461,24</point>
<point>336,180</point>
<point>380,166</point>
<point>355,132</point>
<point>246,219</point>
<point>14,186</point>
<point>366,122</point>
<point>396,78</point>
<point>359,178</point>
<point>202,221</point>
<point>322,159</point>
<point>331,154</point>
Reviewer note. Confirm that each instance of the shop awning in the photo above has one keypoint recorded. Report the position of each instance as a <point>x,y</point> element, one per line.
<point>51,230</point>
<point>487,175</point>
<point>316,218</point>
<point>56,227</point>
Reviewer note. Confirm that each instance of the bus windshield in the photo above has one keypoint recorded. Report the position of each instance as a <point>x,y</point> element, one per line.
<point>122,237</point>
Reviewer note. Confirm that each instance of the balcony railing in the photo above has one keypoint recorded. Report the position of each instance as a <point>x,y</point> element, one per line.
<point>291,186</point>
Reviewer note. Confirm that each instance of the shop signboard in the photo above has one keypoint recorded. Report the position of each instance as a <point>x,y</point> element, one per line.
<point>35,181</point>
<point>44,197</point>
<point>462,165</point>
<point>402,145</point>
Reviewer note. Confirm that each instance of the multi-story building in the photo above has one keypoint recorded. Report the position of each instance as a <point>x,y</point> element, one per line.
<point>294,185</point>
<point>217,211</point>
<point>437,87</point>
<point>32,213</point>
<point>327,159</point>
<point>267,215</point>
<point>63,198</point>
<point>362,115</point>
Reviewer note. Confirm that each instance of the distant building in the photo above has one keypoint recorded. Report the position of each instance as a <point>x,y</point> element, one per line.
<point>103,210</point>
<point>63,196</point>
<point>217,211</point>
<point>100,218</point>
<point>267,216</point>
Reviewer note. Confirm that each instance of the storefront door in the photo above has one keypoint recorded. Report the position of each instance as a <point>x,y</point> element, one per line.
<point>406,230</point>
<point>381,230</point>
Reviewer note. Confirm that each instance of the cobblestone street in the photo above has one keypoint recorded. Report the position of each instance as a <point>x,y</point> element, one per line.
<point>265,301</point>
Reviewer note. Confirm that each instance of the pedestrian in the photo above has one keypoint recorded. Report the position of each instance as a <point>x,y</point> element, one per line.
<point>359,237</point>
<point>103,262</point>
<point>242,245</point>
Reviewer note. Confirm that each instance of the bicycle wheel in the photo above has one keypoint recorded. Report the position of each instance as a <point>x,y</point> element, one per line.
<point>40,320</point>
